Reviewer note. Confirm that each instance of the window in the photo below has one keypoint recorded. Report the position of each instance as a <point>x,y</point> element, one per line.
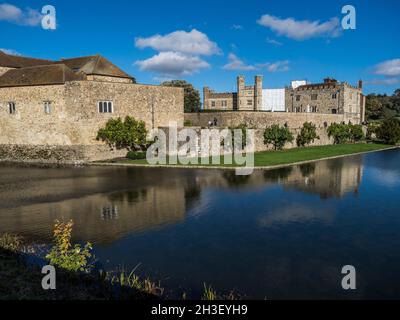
<point>213,104</point>
<point>249,102</point>
<point>224,103</point>
<point>314,109</point>
<point>334,111</point>
<point>106,107</point>
<point>298,109</point>
<point>314,96</point>
<point>47,107</point>
<point>334,96</point>
<point>11,108</point>
<point>298,98</point>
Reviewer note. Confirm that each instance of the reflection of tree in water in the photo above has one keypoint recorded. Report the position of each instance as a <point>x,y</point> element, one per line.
<point>235,180</point>
<point>130,196</point>
<point>307,169</point>
<point>192,196</point>
<point>277,175</point>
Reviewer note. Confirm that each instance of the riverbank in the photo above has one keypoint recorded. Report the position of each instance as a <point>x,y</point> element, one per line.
<point>272,159</point>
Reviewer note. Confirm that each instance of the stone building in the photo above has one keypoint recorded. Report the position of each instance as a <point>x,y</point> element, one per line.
<point>329,97</point>
<point>247,98</point>
<point>51,110</point>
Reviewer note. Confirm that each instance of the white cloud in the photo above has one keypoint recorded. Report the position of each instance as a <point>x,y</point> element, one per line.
<point>172,64</point>
<point>193,43</point>
<point>10,51</point>
<point>237,27</point>
<point>13,14</point>
<point>236,64</point>
<point>301,30</point>
<point>278,66</point>
<point>383,82</point>
<point>388,68</point>
<point>274,42</point>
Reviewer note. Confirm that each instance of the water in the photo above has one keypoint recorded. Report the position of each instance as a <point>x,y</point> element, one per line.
<point>280,234</point>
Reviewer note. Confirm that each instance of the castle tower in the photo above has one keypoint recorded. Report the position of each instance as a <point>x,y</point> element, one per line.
<point>206,94</point>
<point>258,86</point>
<point>241,99</point>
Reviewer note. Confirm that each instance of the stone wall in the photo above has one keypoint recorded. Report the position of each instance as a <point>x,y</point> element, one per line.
<point>259,120</point>
<point>3,70</point>
<point>74,119</point>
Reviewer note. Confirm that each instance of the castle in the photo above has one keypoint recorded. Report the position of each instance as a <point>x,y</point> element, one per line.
<point>52,110</point>
<point>329,97</point>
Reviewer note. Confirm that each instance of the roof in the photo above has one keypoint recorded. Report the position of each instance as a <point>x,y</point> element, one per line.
<point>95,65</point>
<point>39,75</point>
<point>11,61</point>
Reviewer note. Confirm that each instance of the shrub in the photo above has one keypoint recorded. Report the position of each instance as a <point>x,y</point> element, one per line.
<point>339,132</point>
<point>136,155</point>
<point>67,256</point>
<point>187,123</point>
<point>389,131</point>
<point>130,134</point>
<point>307,134</point>
<point>356,132</point>
<point>243,128</point>
<point>10,242</point>
<point>277,136</point>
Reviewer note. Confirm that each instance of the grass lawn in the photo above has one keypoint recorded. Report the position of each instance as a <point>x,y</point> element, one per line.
<point>273,158</point>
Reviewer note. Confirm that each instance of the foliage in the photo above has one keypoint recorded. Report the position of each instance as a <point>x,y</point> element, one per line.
<point>356,133</point>
<point>130,134</point>
<point>10,242</point>
<point>67,256</point>
<point>136,155</point>
<point>277,136</point>
<point>191,95</point>
<point>209,293</point>
<point>188,123</point>
<point>131,280</point>
<point>340,132</point>
<point>382,106</point>
<point>307,134</point>
<point>389,131</point>
<point>372,129</point>
<point>243,128</point>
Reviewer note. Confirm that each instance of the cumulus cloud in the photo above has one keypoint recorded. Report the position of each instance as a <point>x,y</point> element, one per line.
<point>13,14</point>
<point>236,64</point>
<point>193,42</point>
<point>388,68</point>
<point>173,64</point>
<point>301,30</point>
<point>278,66</point>
<point>10,51</point>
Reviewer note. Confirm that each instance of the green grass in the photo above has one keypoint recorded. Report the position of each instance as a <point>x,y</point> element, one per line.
<point>274,158</point>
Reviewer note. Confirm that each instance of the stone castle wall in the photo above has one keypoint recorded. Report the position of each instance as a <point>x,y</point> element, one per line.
<point>74,119</point>
<point>259,120</point>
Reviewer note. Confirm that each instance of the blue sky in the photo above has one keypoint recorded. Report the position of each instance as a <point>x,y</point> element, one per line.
<point>210,42</point>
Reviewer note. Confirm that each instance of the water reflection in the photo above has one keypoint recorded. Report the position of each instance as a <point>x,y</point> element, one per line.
<point>146,199</point>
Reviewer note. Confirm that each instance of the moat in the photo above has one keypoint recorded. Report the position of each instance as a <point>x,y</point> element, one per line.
<point>276,234</point>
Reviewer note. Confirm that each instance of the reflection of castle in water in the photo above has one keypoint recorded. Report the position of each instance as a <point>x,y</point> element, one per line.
<point>156,197</point>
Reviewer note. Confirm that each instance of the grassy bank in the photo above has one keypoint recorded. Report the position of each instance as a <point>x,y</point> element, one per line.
<point>274,158</point>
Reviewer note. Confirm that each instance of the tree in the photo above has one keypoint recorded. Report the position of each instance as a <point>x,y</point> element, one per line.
<point>130,134</point>
<point>277,136</point>
<point>373,107</point>
<point>356,133</point>
<point>389,131</point>
<point>339,132</point>
<point>397,93</point>
<point>191,95</point>
<point>307,134</point>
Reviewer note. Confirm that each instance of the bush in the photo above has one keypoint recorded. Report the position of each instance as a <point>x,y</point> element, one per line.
<point>277,136</point>
<point>389,131</point>
<point>339,132</point>
<point>10,242</point>
<point>136,155</point>
<point>356,133</point>
<point>67,256</point>
<point>307,134</point>
<point>130,134</point>
<point>243,128</point>
<point>187,123</point>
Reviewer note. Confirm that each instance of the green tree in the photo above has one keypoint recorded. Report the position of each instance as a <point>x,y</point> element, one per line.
<point>307,134</point>
<point>356,132</point>
<point>389,131</point>
<point>277,136</point>
<point>397,93</point>
<point>191,95</point>
<point>339,132</point>
<point>130,134</point>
